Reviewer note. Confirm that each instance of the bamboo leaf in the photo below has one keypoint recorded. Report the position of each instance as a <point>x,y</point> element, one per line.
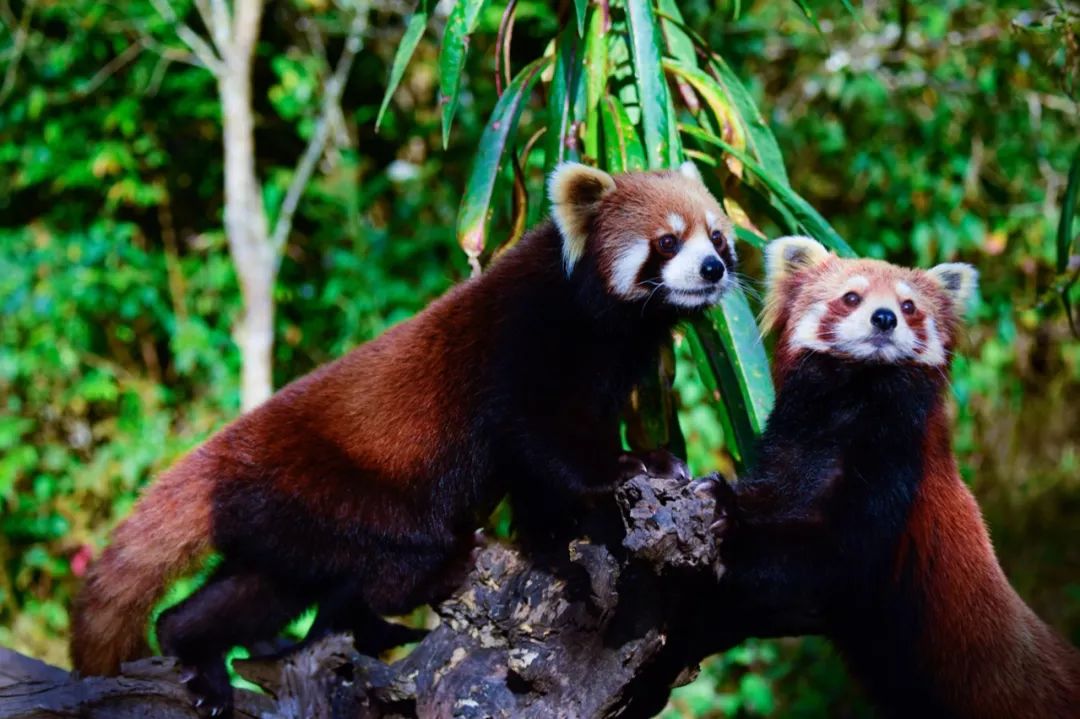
<point>651,85</point>
<point>476,202</point>
<point>623,149</point>
<point>731,359</point>
<point>679,43</point>
<point>804,213</point>
<point>596,74</point>
<point>580,6</point>
<point>414,30</point>
<point>1068,211</point>
<point>566,100</point>
<point>728,120</point>
<point>455,46</point>
<point>759,137</point>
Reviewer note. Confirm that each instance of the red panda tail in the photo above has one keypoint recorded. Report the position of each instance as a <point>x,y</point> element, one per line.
<point>168,532</point>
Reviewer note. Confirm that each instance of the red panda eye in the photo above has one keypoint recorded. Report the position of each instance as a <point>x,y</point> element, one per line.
<point>667,243</point>
<point>717,237</point>
<point>907,307</point>
<point>852,299</point>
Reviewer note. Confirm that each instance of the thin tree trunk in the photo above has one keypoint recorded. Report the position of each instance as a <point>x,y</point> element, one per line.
<point>245,216</point>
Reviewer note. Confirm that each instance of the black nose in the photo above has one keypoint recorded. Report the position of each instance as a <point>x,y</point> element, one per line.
<point>712,269</point>
<point>883,319</point>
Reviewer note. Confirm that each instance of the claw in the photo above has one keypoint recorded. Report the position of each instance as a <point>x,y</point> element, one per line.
<point>719,525</point>
<point>216,711</point>
<point>704,488</point>
<point>199,701</point>
<point>187,675</point>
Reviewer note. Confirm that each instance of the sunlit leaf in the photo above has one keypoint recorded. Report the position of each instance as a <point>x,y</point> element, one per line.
<point>623,150</point>
<point>596,76</point>
<point>476,202</point>
<point>566,99</point>
<point>413,32</point>
<point>452,54</point>
<point>652,88</point>
<point>809,218</point>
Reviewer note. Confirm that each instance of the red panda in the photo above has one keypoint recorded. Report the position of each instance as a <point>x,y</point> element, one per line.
<point>854,522</point>
<point>358,487</point>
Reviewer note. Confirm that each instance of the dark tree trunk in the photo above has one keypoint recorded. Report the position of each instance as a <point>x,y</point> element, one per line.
<point>605,631</point>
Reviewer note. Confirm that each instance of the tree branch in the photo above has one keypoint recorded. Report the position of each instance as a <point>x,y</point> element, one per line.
<point>305,168</point>
<point>604,630</point>
<point>192,39</point>
<point>20,35</point>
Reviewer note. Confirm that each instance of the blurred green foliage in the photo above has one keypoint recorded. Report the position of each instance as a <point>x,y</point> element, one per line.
<point>922,132</point>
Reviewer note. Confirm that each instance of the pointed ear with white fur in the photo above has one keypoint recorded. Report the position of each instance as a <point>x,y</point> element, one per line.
<point>575,191</point>
<point>786,255</point>
<point>689,170</point>
<point>960,281</point>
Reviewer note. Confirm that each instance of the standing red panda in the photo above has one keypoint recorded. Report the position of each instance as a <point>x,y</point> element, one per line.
<point>358,487</point>
<point>855,524</point>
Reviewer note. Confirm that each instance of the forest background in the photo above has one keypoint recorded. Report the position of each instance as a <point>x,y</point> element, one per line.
<point>130,320</point>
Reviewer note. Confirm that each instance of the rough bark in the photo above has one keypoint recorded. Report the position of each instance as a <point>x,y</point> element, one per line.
<point>603,631</point>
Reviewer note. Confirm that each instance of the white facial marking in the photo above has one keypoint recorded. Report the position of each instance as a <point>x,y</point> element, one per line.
<point>904,291</point>
<point>676,223</point>
<point>934,352</point>
<point>858,282</point>
<point>626,267</point>
<point>805,335</point>
<point>710,218</point>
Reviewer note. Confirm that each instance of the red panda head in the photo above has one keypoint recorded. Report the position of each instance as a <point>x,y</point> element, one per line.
<point>861,309</point>
<point>650,235</point>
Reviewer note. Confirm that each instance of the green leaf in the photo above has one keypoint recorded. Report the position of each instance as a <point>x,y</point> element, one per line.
<point>623,150</point>
<point>651,84</point>
<point>566,100</point>
<point>679,43</point>
<point>413,32</point>
<point>731,359</point>
<point>804,213</point>
<point>809,13</point>
<point>1068,211</point>
<point>596,75</point>
<point>759,137</point>
<point>476,202</point>
<point>580,6</point>
<point>455,47</point>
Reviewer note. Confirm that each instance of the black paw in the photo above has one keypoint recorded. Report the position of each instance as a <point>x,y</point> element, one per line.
<point>211,692</point>
<point>716,488</point>
<point>654,463</point>
<point>386,636</point>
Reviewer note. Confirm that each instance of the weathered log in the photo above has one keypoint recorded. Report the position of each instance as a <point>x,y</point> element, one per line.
<point>604,631</point>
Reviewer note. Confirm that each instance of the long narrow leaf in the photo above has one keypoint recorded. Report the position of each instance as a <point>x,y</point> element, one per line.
<point>809,218</point>
<point>651,85</point>
<point>759,137</point>
<point>413,32</point>
<point>596,75</point>
<point>580,6</point>
<point>455,46</point>
<point>706,87</point>
<point>732,363</point>
<point>623,150</point>
<point>566,99</point>
<point>476,202</point>
<point>679,43</point>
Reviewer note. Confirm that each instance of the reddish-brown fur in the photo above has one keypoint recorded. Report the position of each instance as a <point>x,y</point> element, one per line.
<point>358,487</point>
<point>891,559</point>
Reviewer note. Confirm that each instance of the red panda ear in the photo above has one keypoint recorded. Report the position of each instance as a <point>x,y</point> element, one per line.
<point>791,254</point>
<point>689,170</point>
<point>575,191</point>
<point>960,282</point>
